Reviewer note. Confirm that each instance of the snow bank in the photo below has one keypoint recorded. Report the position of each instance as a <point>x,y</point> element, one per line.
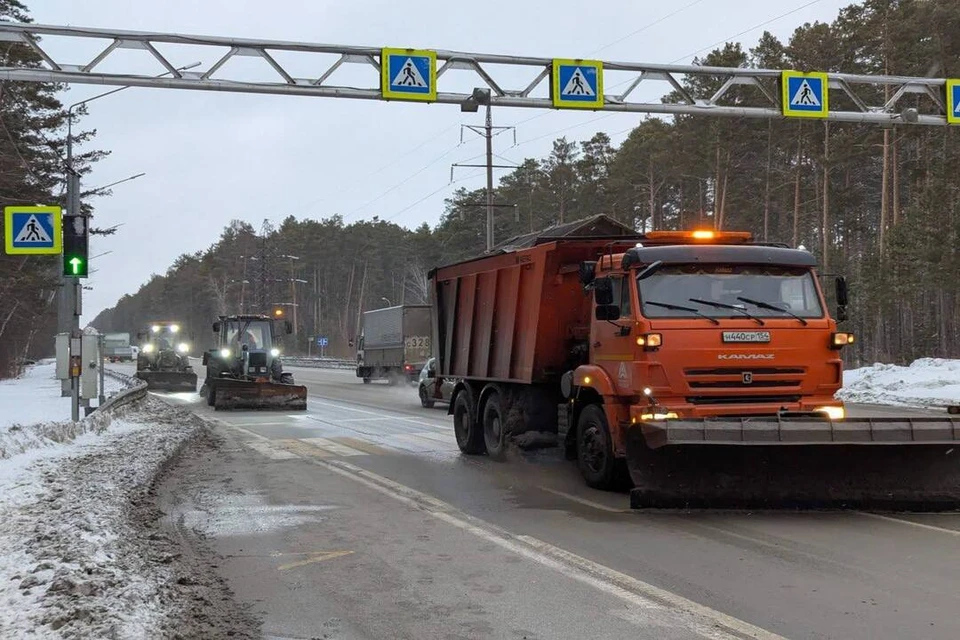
<point>926,382</point>
<point>84,556</point>
<point>33,415</point>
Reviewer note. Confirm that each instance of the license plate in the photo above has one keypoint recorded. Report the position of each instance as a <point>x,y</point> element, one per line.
<point>746,336</point>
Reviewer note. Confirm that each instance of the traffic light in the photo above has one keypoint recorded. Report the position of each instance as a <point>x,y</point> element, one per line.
<point>75,243</point>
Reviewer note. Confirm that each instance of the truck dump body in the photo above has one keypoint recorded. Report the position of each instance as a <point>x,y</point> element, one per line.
<point>513,317</point>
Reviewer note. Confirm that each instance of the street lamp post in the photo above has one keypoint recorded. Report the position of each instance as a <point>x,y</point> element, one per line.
<point>68,307</point>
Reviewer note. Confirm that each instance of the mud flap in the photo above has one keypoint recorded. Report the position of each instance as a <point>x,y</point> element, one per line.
<point>242,394</point>
<point>169,380</point>
<point>884,464</point>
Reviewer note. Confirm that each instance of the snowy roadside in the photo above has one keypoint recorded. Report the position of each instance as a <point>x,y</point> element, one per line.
<point>34,415</point>
<point>927,382</point>
<point>84,552</point>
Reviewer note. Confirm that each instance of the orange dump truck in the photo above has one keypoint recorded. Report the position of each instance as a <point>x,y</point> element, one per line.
<point>700,366</point>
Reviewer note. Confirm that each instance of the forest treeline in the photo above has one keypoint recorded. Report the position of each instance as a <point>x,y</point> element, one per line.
<point>32,170</point>
<point>877,204</point>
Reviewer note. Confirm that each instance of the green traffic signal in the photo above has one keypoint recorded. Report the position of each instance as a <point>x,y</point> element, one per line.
<point>77,266</point>
<point>75,246</point>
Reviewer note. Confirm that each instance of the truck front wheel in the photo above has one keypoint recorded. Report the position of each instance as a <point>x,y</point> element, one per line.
<point>468,432</point>
<point>599,467</point>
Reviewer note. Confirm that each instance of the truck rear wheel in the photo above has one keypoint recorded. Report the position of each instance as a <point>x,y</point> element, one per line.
<point>468,432</point>
<point>494,427</point>
<point>599,467</point>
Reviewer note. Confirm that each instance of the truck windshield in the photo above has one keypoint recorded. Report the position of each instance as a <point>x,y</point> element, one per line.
<point>784,289</point>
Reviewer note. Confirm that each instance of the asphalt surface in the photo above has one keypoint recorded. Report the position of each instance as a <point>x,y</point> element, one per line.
<point>359,518</point>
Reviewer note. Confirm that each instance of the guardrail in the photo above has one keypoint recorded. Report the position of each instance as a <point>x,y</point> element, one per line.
<point>320,363</point>
<point>135,390</point>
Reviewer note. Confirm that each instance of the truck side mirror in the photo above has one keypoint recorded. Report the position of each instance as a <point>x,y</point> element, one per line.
<point>216,327</point>
<point>842,291</point>
<point>206,357</point>
<point>288,327</point>
<point>588,272</point>
<point>603,291</point>
<point>608,312</point>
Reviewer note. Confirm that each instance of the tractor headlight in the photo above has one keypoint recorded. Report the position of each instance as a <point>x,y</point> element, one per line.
<point>155,328</point>
<point>183,347</point>
<point>147,348</point>
<point>275,352</point>
<point>224,353</point>
<point>174,328</point>
<point>834,413</point>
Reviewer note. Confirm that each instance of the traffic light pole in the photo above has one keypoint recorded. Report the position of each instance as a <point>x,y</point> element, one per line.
<point>68,317</point>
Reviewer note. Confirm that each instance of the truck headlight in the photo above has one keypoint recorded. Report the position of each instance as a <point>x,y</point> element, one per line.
<point>147,348</point>
<point>275,352</point>
<point>174,328</point>
<point>841,339</point>
<point>224,353</point>
<point>834,413</point>
<point>183,347</point>
<point>155,328</point>
<point>650,340</point>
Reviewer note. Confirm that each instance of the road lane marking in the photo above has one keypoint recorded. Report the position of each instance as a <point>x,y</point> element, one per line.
<point>583,501</point>
<point>314,557</point>
<point>919,525</point>
<point>270,450</point>
<point>379,414</point>
<point>361,445</point>
<point>333,447</point>
<point>705,621</point>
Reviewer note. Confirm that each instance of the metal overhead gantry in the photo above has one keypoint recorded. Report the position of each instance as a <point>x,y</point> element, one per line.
<point>421,75</point>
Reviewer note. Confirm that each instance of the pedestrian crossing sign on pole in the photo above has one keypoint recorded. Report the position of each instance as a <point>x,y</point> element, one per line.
<point>953,101</point>
<point>32,230</point>
<point>408,74</point>
<point>805,95</point>
<point>577,84</point>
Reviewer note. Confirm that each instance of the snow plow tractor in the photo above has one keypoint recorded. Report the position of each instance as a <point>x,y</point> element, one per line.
<point>245,370</point>
<point>163,362</point>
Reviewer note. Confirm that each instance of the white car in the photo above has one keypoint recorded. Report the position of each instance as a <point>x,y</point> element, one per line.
<point>432,389</point>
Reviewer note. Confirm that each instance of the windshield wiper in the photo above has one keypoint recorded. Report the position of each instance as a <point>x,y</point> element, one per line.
<point>723,305</point>
<point>676,307</point>
<point>767,305</point>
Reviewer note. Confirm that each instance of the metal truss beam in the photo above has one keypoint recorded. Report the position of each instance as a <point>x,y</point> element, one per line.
<point>751,93</point>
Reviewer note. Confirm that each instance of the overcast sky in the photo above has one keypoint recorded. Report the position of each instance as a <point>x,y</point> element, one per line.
<point>211,157</point>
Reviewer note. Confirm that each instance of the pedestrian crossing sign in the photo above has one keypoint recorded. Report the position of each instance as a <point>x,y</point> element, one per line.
<point>953,101</point>
<point>805,95</point>
<point>408,74</point>
<point>32,230</point>
<point>577,84</point>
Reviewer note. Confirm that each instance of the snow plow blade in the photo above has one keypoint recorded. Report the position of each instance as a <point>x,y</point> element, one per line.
<point>240,394</point>
<point>169,380</point>
<point>897,464</point>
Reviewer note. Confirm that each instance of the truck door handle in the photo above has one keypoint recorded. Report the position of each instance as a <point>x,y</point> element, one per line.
<point>596,344</point>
